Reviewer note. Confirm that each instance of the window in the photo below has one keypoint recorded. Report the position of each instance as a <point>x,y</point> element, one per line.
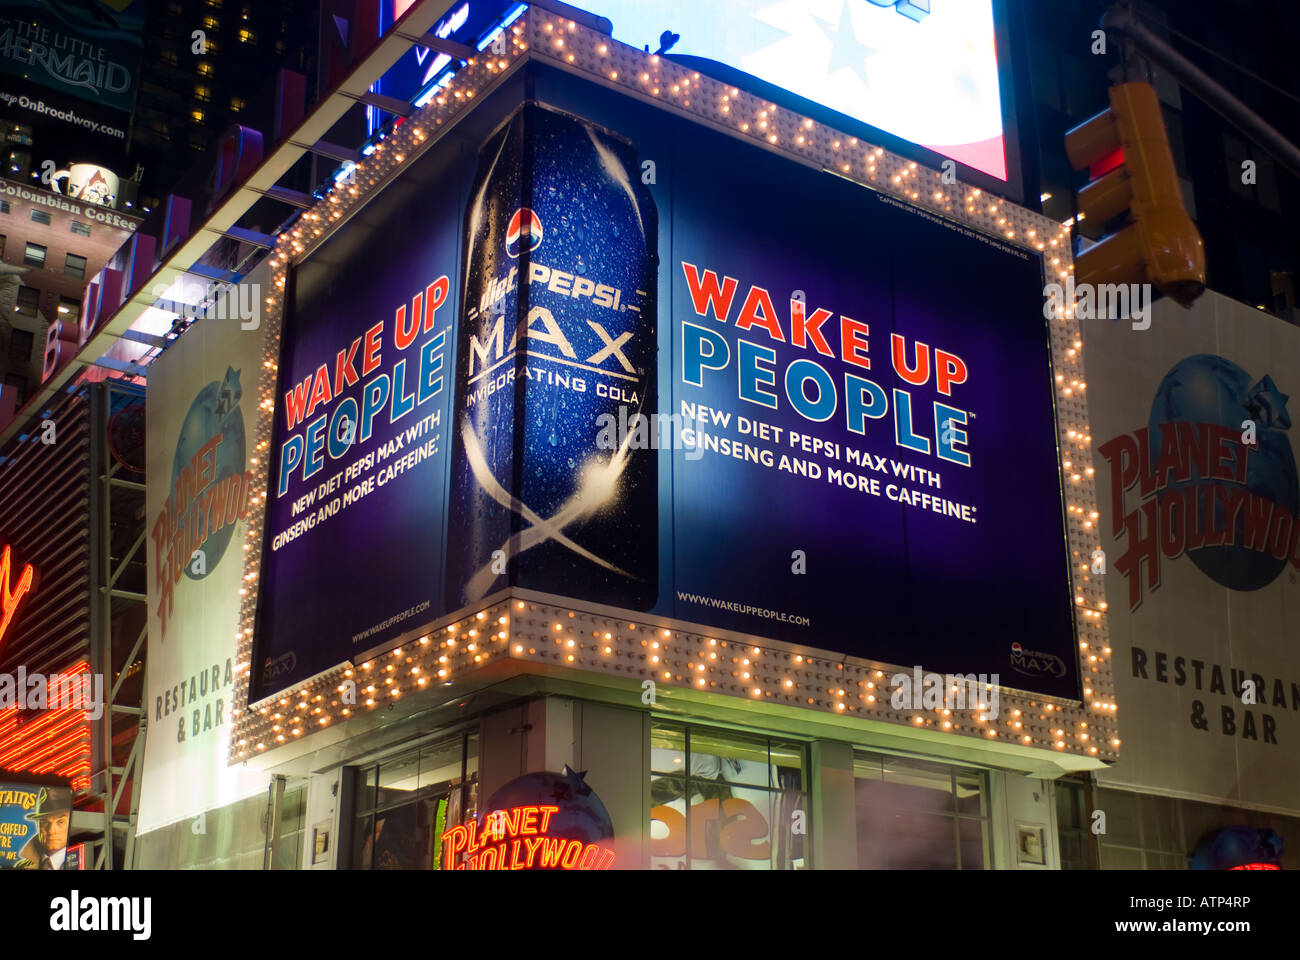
<point>75,267</point>
<point>204,68</point>
<point>35,255</point>
<point>920,815</point>
<point>236,104</point>
<point>19,384</point>
<point>247,36</point>
<point>80,229</point>
<point>196,116</point>
<point>69,310</point>
<point>29,301</point>
<point>20,345</point>
<point>41,216</point>
<point>2,245</point>
<point>404,805</point>
<point>723,800</point>
<point>211,22</point>
<point>4,206</point>
<point>169,57</point>
<point>1074,823</point>
<point>293,822</point>
<point>202,94</point>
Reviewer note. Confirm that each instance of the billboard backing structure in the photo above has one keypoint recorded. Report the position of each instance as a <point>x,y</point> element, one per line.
<point>200,468</point>
<point>1196,458</point>
<point>858,457</point>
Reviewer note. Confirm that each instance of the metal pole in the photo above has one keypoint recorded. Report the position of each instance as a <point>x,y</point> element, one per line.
<point>1125,24</point>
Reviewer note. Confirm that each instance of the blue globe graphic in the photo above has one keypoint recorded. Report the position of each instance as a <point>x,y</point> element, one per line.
<point>581,816</point>
<point>1209,389</point>
<point>215,410</point>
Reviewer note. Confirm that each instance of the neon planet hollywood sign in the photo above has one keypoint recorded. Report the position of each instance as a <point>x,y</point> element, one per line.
<point>9,601</point>
<point>515,839</point>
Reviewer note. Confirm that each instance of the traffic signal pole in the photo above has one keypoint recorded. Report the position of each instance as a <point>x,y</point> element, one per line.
<point>1124,24</point>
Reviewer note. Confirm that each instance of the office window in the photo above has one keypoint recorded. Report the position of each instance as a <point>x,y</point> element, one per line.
<point>41,216</point>
<point>75,266</point>
<point>211,23</point>
<point>204,68</point>
<point>29,302</point>
<point>402,806</point>
<point>69,309</point>
<point>80,229</point>
<point>20,345</point>
<point>236,104</point>
<point>920,815</point>
<point>202,93</point>
<point>35,255</point>
<point>247,36</point>
<point>724,800</point>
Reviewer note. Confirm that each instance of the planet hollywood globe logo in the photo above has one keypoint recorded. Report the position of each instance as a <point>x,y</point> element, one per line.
<point>524,233</point>
<point>1215,477</point>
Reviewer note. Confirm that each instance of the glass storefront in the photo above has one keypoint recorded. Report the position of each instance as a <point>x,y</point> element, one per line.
<point>403,805</point>
<point>920,815</point>
<point>725,800</point>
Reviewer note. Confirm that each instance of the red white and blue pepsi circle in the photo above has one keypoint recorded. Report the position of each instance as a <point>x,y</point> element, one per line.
<point>524,235</point>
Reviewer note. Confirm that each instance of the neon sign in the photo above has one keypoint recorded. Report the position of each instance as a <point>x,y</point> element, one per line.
<point>9,601</point>
<point>516,839</point>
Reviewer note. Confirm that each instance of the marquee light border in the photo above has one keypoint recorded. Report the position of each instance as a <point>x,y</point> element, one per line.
<point>643,649</point>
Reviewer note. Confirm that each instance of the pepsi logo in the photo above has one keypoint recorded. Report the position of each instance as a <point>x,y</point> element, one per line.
<point>524,235</point>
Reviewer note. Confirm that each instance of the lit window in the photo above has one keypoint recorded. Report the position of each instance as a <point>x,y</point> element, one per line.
<point>69,309</point>
<point>247,36</point>
<point>210,22</point>
<point>34,256</point>
<point>196,116</point>
<point>80,229</point>
<point>202,94</point>
<point>236,104</point>
<point>205,68</point>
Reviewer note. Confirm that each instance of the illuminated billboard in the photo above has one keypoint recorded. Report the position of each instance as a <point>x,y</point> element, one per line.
<point>923,71</point>
<point>581,368</point>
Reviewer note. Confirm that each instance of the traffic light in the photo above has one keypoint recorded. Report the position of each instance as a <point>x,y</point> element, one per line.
<point>1126,150</point>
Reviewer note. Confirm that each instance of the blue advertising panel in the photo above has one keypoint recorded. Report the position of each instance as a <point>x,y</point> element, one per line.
<point>682,376</point>
<point>353,551</point>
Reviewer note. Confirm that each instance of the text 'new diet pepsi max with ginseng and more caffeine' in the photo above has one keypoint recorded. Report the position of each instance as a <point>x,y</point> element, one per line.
<point>556,329</point>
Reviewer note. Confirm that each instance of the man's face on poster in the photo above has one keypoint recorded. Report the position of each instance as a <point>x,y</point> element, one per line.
<point>53,832</point>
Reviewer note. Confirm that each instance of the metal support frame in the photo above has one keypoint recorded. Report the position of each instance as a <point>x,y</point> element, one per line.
<point>110,781</point>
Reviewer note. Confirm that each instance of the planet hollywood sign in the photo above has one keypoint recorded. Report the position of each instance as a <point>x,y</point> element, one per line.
<point>517,839</point>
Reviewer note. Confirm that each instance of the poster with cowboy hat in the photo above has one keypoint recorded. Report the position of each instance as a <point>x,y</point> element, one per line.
<point>34,825</point>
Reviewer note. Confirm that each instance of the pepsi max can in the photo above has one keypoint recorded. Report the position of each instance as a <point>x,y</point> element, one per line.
<point>556,342</point>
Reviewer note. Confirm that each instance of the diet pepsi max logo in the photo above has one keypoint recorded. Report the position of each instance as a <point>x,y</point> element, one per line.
<point>274,668</point>
<point>524,235</point>
<point>1036,663</point>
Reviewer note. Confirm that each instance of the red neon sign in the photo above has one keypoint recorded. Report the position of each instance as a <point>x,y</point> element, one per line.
<point>1257,866</point>
<point>9,601</point>
<point>515,839</point>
